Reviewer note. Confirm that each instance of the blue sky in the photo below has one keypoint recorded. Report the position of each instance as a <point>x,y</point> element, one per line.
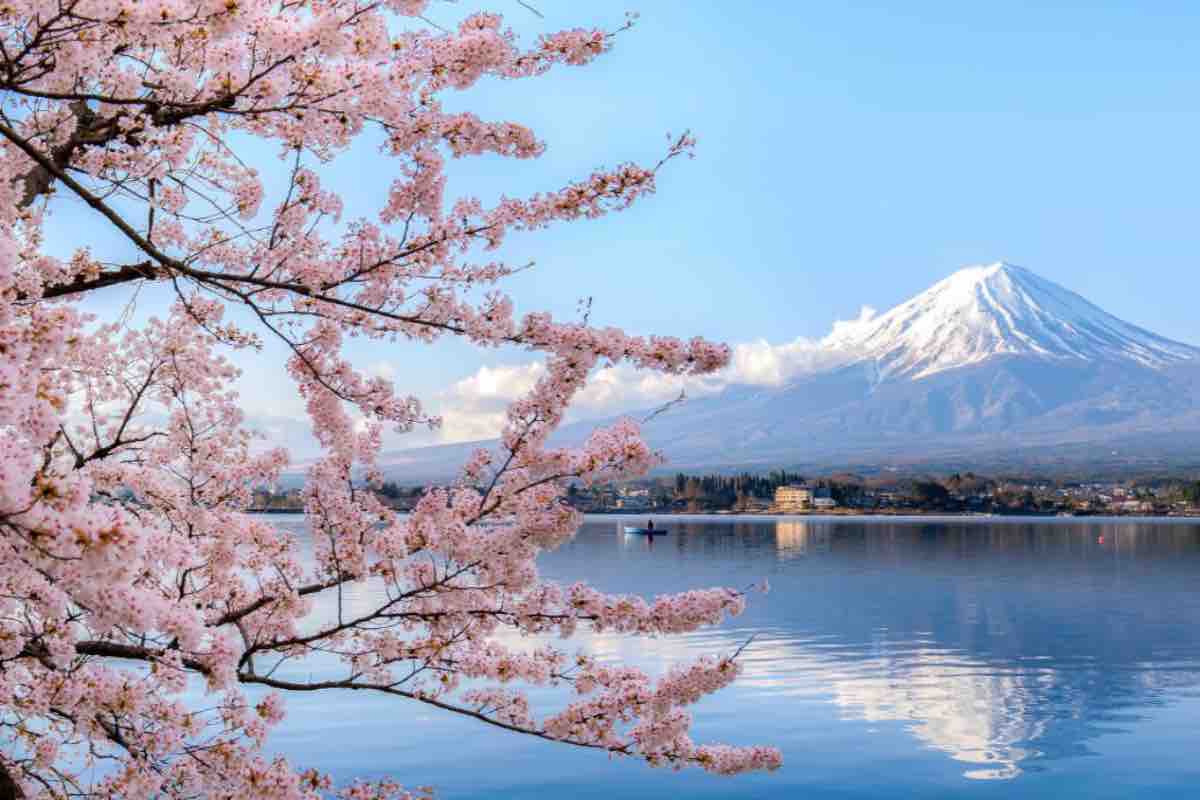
<point>855,153</point>
<point>849,154</point>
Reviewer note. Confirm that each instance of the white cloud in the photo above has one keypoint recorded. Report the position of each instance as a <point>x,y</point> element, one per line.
<point>760,363</point>
<point>502,383</point>
<point>622,388</point>
<point>474,407</point>
<point>381,369</point>
<point>842,327</point>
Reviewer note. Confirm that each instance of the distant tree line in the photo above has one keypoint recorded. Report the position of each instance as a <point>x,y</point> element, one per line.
<point>701,492</point>
<point>394,491</point>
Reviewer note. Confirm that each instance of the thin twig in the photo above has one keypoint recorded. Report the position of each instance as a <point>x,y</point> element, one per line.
<point>667,406</point>
<point>527,6</point>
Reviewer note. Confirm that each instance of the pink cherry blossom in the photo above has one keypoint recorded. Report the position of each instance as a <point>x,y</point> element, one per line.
<point>129,570</point>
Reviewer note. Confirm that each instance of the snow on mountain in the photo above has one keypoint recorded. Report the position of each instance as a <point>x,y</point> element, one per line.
<point>989,365</point>
<point>1000,309</point>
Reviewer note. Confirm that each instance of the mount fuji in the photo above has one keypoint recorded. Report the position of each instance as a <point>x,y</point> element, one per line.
<point>981,313</point>
<point>993,366</point>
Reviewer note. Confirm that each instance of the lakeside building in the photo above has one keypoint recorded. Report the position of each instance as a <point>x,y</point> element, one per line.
<point>792,498</point>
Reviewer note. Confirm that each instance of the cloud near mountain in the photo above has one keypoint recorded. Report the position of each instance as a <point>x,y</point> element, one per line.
<point>473,408</point>
<point>992,360</point>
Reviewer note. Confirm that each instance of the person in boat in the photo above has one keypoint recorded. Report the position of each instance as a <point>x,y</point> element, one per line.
<point>650,526</point>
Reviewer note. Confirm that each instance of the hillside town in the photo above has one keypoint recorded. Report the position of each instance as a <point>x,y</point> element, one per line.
<point>782,492</point>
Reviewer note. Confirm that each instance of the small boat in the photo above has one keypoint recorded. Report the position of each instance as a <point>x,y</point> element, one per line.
<point>633,530</point>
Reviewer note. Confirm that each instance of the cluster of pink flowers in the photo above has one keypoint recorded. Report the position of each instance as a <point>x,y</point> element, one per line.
<point>129,569</point>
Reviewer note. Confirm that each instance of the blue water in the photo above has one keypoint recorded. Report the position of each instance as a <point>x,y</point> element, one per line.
<point>917,659</point>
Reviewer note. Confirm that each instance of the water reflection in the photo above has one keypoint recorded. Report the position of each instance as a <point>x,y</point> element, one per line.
<point>1000,651</point>
<point>999,644</point>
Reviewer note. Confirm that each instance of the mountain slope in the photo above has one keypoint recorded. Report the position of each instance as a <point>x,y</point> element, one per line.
<point>992,360</point>
<point>1004,402</point>
<point>998,310</point>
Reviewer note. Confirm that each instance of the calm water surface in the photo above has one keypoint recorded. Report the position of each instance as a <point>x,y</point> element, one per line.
<point>918,658</point>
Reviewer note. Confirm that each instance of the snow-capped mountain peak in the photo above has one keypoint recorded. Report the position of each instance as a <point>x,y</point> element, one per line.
<point>990,368</point>
<point>994,310</point>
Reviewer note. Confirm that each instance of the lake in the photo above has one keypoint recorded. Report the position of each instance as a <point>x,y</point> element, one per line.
<point>916,658</point>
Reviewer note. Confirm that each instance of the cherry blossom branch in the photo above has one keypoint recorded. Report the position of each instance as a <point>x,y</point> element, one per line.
<point>128,563</point>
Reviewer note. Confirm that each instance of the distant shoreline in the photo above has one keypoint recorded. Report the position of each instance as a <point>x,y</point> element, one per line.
<point>891,513</point>
<point>876,514</point>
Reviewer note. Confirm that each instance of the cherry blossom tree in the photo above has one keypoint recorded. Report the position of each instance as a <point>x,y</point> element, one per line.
<point>131,579</point>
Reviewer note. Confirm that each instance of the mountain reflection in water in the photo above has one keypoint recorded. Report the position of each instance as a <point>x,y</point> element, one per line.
<point>1011,643</point>
<point>890,658</point>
